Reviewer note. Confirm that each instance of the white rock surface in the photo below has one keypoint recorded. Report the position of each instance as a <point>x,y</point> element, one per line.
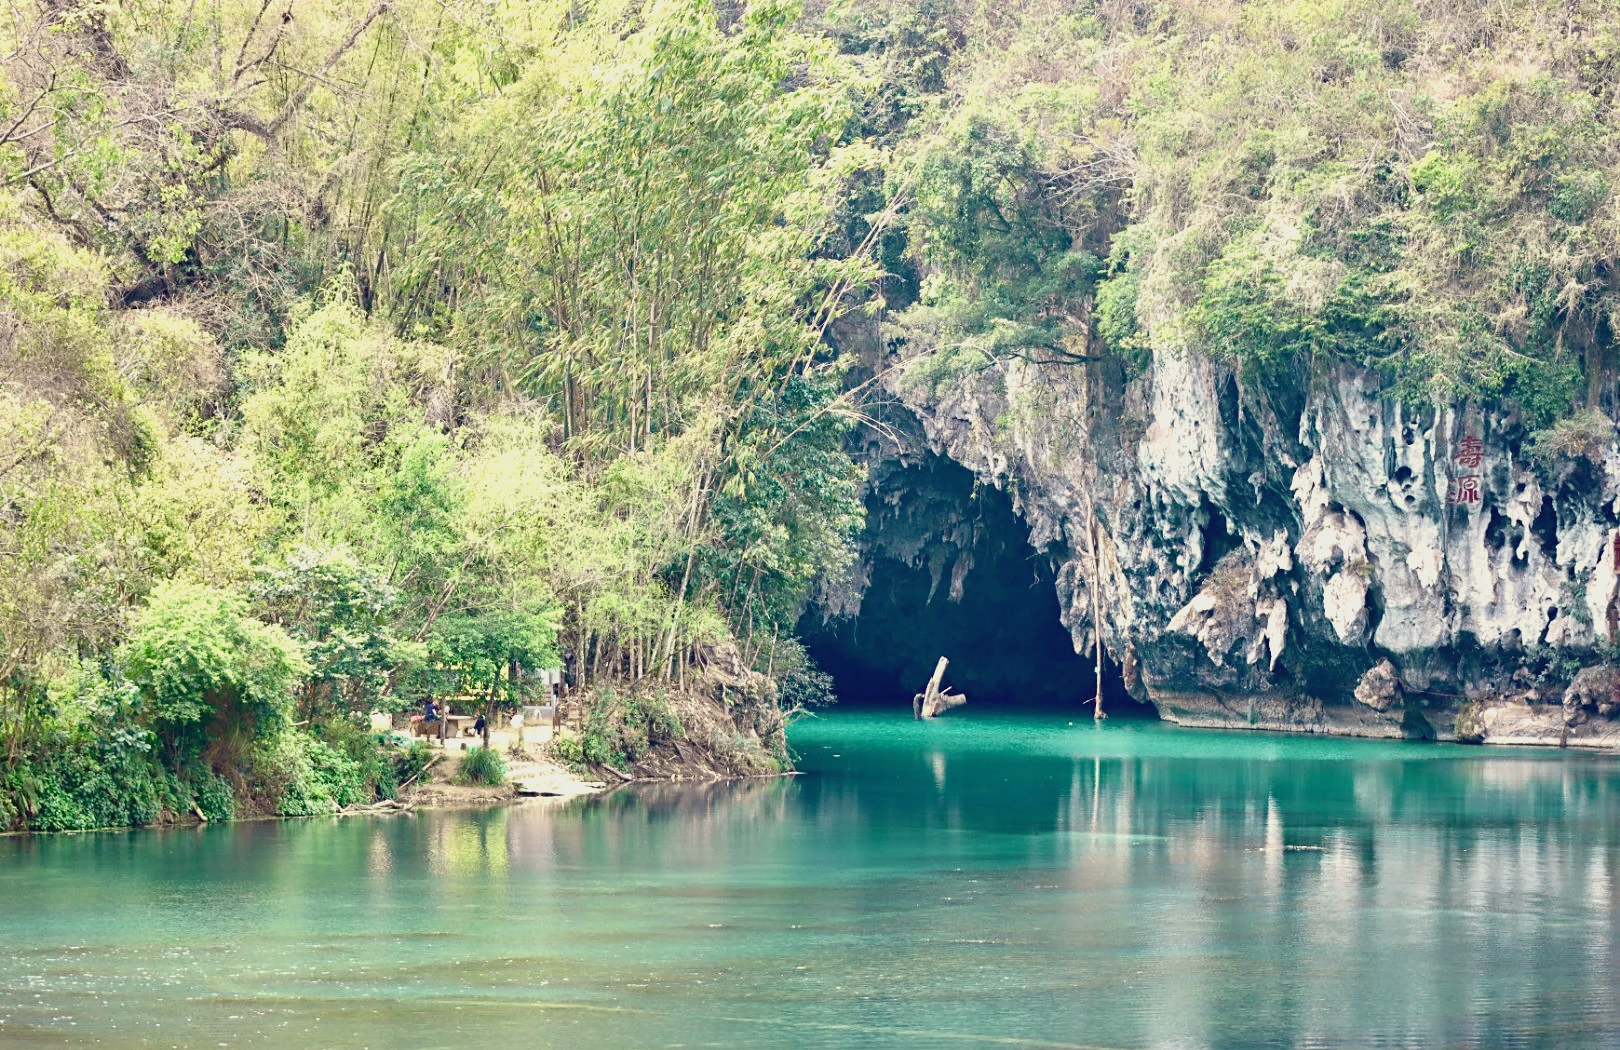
<point>1368,532</point>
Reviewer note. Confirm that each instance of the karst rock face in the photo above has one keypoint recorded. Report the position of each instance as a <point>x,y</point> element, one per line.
<point>1307,553</point>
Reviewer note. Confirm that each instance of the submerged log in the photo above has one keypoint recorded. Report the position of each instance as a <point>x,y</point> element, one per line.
<point>933,700</point>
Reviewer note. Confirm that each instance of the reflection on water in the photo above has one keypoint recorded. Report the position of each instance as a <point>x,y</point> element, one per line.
<point>965,882</point>
<point>468,849</point>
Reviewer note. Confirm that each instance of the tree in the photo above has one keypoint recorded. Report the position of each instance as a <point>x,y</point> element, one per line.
<point>343,615</point>
<point>206,670</point>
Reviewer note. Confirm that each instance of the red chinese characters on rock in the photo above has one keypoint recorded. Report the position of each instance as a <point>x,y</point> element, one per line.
<point>1465,488</point>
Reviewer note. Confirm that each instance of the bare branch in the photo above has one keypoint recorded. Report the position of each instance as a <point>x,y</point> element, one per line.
<point>248,39</point>
<point>49,87</point>
<point>53,162</point>
<point>332,59</point>
<point>275,43</point>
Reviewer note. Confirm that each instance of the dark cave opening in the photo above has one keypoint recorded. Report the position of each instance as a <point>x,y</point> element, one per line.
<point>952,574</point>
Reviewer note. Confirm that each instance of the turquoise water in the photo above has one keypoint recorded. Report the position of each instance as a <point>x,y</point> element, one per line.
<point>977,881</point>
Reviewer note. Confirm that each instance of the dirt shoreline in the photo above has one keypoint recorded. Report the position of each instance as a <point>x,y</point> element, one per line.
<point>530,774</point>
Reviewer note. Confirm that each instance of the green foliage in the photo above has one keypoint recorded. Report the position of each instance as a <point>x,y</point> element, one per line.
<point>482,765</point>
<point>472,652</point>
<point>478,338</point>
<point>196,656</point>
<point>97,767</point>
<point>337,414</point>
<point>579,205</point>
<point>652,716</point>
<point>800,683</point>
<point>790,507</point>
<point>1116,310</point>
<point>342,615</point>
<point>315,777</point>
<point>1012,269</point>
<point>569,752</point>
<point>288,436</point>
<point>410,763</point>
<point>1585,434</point>
<point>619,730</point>
<point>70,440</point>
<point>79,783</point>
<point>375,755</point>
<point>1363,182</point>
<point>1553,664</point>
<point>215,798</point>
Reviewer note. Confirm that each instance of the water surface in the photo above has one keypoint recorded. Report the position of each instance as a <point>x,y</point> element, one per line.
<point>977,881</point>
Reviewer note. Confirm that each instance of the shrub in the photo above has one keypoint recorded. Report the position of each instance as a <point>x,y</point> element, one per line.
<point>569,751</point>
<point>216,799</point>
<point>316,777</point>
<point>653,717</point>
<point>482,765</point>
<point>599,738</point>
<point>619,731</point>
<point>371,752</point>
<point>410,763</point>
<point>800,683</point>
<point>1583,434</point>
<point>197,656</point>
<point>78,784</point>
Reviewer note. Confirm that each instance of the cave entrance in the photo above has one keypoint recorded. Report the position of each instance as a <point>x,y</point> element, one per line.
<point>951,573</point>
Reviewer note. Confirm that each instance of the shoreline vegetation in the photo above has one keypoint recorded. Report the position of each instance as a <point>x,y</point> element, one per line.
<point>362,353</point>
<point>319,397</point>
<point>710,731</point>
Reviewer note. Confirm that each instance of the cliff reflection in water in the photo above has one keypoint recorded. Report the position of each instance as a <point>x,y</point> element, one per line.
<point>1289,891</point>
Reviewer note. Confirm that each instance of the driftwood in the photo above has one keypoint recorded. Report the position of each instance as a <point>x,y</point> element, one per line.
<point>386,805</point>
<point>933,700</point>
<point>431,763</point>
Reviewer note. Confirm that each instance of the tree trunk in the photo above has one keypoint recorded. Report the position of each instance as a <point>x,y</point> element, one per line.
<point>926,703</point>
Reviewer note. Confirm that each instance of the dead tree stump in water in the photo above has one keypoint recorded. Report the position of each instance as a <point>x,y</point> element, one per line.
<point>933,700</point>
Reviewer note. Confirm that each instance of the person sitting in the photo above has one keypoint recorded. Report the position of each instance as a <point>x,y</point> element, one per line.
<point>479,724</point>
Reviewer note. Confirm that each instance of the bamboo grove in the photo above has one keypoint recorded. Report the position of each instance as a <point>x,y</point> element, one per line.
<point>361,353</point>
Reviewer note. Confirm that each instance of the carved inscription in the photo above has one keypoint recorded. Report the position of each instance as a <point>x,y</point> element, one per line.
<point>1465,487</point>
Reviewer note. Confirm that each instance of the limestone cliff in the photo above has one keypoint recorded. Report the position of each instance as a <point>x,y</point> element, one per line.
<point>1307,553</point>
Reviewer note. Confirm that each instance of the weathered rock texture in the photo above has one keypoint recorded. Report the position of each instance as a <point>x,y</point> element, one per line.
<point>945,571</point>
<point>1307,554</point>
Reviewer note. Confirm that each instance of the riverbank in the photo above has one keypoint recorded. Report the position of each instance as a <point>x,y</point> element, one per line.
<point>530,773</point>
<point>1502,722</point>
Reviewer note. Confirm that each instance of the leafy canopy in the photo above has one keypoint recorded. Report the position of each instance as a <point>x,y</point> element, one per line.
<point>195,653</point>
